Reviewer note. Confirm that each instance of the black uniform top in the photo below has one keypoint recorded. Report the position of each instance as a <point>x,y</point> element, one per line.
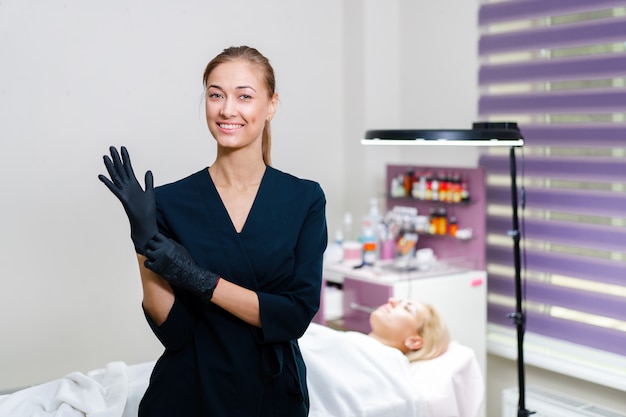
<point>215,364</point>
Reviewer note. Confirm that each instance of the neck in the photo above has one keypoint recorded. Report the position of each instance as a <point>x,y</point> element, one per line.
<point>237,172</point>
<point>389,343</point>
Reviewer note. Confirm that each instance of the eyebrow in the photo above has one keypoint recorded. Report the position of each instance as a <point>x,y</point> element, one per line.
<point>241,87</point>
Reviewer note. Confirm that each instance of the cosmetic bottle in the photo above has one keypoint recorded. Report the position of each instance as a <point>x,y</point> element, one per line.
<point>334,251</point>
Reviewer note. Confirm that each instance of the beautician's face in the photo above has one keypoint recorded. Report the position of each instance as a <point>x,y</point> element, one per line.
<point>237,104</point>
<point>397,320</point>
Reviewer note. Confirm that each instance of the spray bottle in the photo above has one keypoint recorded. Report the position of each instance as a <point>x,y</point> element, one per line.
<point>370,237</point>
<point>334,251</point>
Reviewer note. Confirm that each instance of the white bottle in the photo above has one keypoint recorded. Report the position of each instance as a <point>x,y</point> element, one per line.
<point>372,219</point>
<point>370,233</point>
<point>334,251</point>
<point>347,226</point>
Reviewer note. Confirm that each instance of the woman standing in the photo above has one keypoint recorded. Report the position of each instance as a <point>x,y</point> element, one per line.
<point>230,259</point>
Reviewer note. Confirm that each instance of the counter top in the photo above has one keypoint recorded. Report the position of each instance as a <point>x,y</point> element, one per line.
<point>386,272</point>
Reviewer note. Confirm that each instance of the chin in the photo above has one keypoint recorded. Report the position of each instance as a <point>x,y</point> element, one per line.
<point>374,320</point>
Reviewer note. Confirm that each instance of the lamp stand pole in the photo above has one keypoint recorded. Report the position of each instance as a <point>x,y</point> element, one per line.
<point>518,317</point>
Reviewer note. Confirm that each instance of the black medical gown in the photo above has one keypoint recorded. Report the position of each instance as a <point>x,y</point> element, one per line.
<point>214,364</point>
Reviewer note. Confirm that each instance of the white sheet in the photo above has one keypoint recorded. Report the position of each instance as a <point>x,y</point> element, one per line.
<point>349,375</point>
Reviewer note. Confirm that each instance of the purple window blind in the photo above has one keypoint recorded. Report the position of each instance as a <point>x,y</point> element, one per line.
<point>587,135</point>
<point>532,9</point>
<point>555,102</point>
<point>574,219</point>
<point>564,69</point>
<point>575,34</point>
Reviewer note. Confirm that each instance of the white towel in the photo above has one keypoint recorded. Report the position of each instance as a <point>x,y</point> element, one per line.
<point>101,393</point>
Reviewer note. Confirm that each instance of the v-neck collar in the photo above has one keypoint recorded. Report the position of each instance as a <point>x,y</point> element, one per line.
<point>223,206</point>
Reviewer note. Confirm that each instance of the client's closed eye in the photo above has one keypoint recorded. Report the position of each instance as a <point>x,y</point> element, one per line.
<point>411,308</point>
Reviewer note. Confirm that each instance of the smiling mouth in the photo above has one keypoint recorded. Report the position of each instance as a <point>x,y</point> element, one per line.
<point>229,126</point>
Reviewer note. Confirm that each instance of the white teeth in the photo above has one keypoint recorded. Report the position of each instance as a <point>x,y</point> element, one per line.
<point>223,126</point>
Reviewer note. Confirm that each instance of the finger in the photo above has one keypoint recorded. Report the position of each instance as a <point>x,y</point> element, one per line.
<point>148,263</point>
<point>117,164</point>
<point>106,182</point>
<point>153,264</point>
<point>149,181</point>
<point>159,238</point>
<point>128,168</point>
<point>148,251</point>
<point>112,187</point>
<point>150,248</point>
<point>154,242</point>
<point>112,170</point>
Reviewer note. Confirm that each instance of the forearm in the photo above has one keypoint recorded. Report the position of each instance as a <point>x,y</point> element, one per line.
<point>241,302</point>
<point>170,261</point>
<point>158,296</point>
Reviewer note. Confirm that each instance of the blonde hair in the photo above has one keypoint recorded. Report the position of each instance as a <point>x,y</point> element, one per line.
<point>254,57</point>
<point>435,336</point>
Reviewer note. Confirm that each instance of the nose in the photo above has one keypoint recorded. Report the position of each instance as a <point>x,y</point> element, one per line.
<point>228,108</point>
<point>393,302</point>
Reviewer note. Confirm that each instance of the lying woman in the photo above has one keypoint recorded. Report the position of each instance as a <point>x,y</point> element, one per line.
<point>405,366</point>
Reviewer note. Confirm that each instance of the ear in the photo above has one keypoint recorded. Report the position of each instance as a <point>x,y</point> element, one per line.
<point>414,342</point>
<point>271,107</point>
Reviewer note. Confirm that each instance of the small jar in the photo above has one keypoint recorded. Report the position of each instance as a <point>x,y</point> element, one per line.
<point>452,226</point>
<point>352,253</point>
<point>369,253</point>
<point>442,222</point>
<point>434,222</point>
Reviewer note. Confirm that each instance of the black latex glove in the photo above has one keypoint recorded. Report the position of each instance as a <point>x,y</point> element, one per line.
<point>140,205</point>
<point>172,262</point>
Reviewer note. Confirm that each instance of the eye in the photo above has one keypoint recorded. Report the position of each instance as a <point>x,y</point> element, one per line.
<point>214,95</point>
<point>411,309</point>
<point>245,97</point>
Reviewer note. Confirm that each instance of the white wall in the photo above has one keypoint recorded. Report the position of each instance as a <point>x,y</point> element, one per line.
<point>394,51</point>
<point>76,77</point>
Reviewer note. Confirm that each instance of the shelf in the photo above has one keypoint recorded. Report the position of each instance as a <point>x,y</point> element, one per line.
<point>415,200</point>
<point>445,237</point>
<point>470,214</point>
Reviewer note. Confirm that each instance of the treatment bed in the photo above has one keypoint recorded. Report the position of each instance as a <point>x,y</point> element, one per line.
<point>349,374</point>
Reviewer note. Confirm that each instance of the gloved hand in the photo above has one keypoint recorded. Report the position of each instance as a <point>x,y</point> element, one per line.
<point>140,205</point>
<point>172,262</point>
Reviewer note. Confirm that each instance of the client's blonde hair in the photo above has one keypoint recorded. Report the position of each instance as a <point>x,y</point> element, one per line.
<point>435,336</point>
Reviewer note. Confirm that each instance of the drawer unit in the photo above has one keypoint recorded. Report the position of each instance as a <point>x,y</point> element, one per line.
<point>360,298</point>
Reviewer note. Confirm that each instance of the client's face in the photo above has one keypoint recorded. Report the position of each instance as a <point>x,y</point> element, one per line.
<point>397,322</point>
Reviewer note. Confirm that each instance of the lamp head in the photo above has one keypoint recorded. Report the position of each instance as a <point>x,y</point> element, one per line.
<point>481,134</point>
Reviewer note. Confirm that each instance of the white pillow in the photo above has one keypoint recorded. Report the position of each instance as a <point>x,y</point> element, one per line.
<point>451,384</point>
